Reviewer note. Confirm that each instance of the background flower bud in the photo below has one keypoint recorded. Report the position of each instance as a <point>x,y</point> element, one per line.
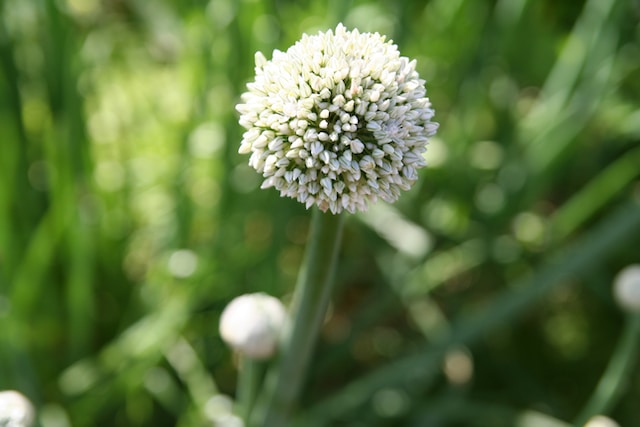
<point>15,409</point>
<point>251,324</point>
<point>626,288</point>
<point>601,421</point>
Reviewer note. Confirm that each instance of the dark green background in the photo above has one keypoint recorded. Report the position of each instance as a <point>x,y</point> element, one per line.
<point>119,169</point>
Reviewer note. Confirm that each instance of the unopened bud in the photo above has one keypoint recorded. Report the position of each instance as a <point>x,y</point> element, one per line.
<point>626,288</point>
<point>601,421</point>
<point>15,409</point>
<point>251,324</point>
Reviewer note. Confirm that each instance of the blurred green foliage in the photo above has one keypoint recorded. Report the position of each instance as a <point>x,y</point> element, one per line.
<point>128,220</point>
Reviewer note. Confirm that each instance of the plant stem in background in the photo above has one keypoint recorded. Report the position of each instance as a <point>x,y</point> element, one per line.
<point>249,380</point>
<point>615,378</point>
<point>309,306</point>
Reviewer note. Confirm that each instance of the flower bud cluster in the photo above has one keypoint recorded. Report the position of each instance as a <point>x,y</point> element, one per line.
<point>338,120</point>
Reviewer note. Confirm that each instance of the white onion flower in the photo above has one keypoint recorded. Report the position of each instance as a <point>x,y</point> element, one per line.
<point>15,409</point>
<point>252,323</point>
<point>338,120</point>
<point>626,288</point>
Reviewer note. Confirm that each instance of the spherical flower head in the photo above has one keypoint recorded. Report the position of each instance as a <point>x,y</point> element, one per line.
<point>251,324</point>
<point>626,288</point>
<point>15,410</point>
<point>338,120</point>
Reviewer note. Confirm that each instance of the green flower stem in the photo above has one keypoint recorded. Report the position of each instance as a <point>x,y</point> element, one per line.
<point>614,379</point>
<point>308,309</point>
<point>249,378</point>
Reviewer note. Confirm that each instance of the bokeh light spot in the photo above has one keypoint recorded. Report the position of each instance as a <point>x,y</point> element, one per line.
<point>390,402</point>
<point>183,263</point>
<point>506,249</point>
<point>529,228</point>
<point>490,198</point>
<point>206,140</point>
<point>110,176</point>
<point>458,366</point>
<point>486,155</point>
<point>437,153</point>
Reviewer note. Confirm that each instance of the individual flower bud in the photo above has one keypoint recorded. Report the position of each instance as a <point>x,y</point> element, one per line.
<point>626,288</point>
<point>15,410</point>
<point>601,421</point>
<point>338,120</point>
<point>251,324</point>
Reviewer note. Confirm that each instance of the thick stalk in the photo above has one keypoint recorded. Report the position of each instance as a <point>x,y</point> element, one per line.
<point>308,309</point>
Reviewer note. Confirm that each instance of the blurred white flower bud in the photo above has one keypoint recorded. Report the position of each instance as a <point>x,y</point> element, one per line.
<point>15,410</point>
<point>219,409</point>
<point>626,288</point>
<point>251,324</point>
<point>601,421</point>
